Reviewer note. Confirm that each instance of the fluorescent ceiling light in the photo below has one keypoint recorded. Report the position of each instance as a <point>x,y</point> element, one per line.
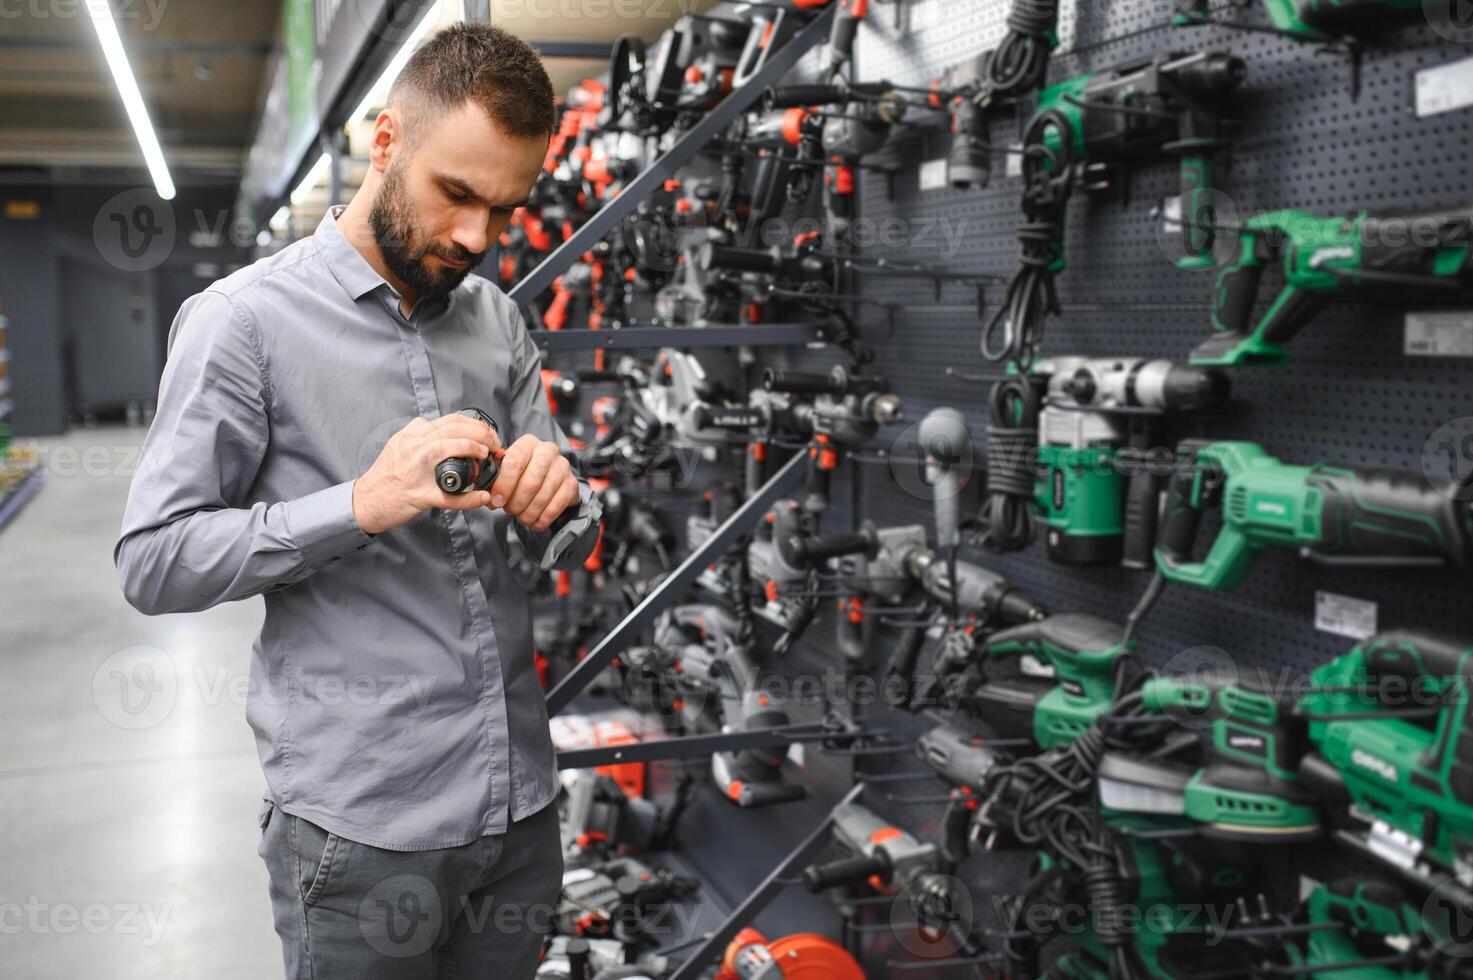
<point>279,220</point>
<point>315,174</point>
<point>378,93</point>
<point>117,61</point>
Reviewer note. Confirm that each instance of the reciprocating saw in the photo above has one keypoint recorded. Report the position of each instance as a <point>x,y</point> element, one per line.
<point>1383,253</point>
<point>1338,514</point>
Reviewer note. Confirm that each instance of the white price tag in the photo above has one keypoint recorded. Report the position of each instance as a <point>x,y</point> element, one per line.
<point>1342,615</point>
<point>1439,334</point>
<point>935,175</point>
<point>1445,88</point>
<point>1015,160</point>
<point>795,752</point>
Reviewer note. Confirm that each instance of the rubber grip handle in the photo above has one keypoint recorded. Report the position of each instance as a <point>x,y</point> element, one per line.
<point>1142,510</point>
<point>800,96</point>
<point>956,825</point>
<point>1236,288</point>
<point>1394,513</point>
<point>753,796</point>
<point>1178,535</point>
<point>846,29</point>
<point>903,661</point>
<point>844,871</point>
<point>802,382</point>
<point>811,551</point>
<point>733,259</point>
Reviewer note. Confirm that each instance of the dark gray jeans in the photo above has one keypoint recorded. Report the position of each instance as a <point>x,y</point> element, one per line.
<point>348,910</point>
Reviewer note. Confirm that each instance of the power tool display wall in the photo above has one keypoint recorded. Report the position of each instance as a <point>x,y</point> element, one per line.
<point>1317,134</point>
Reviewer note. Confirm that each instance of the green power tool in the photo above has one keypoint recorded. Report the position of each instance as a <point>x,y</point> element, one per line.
<point>1392,723</point>
<point>1172,105</point>
<point>1324,258</point>
<point>1338,514</point>
<point>1252,742</point>
<point>1320,21</point>
<point>1359,929</point>
<point>1065,679</point>
<point>1095,487</point>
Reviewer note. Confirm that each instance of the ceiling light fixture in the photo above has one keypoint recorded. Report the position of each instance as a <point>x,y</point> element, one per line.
<point>117,61</point>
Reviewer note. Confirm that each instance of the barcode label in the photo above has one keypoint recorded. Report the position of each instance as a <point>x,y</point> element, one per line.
<point>1445,88</point>
<point>1439,334</point>
<point>1342,615</point>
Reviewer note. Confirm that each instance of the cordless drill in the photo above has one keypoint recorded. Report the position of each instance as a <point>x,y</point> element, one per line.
<point>1095,487</point>
<point>464,474</point>
<point>1252,742</point>
<point>1385,253</point>
<point>1411,778</point>
<point>1171,104</point>
<point>1341,514</point>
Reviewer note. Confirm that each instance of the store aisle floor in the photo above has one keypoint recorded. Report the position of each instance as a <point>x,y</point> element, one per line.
<point>129,786</point>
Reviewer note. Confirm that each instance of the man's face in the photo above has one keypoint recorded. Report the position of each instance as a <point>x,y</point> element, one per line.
<point>446,198</point>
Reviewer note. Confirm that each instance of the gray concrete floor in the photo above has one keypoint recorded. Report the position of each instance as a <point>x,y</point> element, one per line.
<point>129,784</point>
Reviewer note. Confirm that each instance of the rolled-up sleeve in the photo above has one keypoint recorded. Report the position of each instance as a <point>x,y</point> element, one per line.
<point>190,540</point>
<point>531,414</point>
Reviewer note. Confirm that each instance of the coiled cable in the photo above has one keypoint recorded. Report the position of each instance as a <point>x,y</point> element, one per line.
<point>1013,410</point>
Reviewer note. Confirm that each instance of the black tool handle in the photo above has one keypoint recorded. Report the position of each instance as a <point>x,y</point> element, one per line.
<point>902,664</point>
<point>820,481</point>
<point>753,796</point>
<point>804,382</point>
<point>799,96</point>
<point>822,547</point>
<point>956,825</point>
<point>1177,537</point>
<point>734,259</point>
<point>845,871</point>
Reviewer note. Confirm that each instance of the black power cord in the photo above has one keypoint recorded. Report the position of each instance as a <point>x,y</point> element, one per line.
<point>1020,61</point>
<point>1012,447</point>
<point>1048,182</point>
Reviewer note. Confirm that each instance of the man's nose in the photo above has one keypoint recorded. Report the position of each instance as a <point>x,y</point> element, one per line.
<point>472,233</point>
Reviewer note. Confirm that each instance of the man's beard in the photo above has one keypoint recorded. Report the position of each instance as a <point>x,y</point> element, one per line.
<point>392,221</point>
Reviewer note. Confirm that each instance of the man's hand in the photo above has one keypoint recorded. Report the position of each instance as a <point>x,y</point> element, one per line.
<point>400,485</point>
<point>536,483</point>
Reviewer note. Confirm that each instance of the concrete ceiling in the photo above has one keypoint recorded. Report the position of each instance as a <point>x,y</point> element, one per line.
<point>199,64</point>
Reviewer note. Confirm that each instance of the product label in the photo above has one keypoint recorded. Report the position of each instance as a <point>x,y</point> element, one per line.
<point>1445,88</point>
<point>1447,334</point>
<point>934,176</point>
<point>1015,160</point>
<point>1344,616</point>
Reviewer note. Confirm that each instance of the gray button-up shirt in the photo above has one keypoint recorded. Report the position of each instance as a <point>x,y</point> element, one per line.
<point>393,692</point>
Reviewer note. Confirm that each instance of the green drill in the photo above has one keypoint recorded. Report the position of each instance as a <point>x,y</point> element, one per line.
<point>1323,259</point>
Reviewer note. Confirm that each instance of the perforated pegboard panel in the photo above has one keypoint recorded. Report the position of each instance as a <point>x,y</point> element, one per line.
<point>1347,394</point>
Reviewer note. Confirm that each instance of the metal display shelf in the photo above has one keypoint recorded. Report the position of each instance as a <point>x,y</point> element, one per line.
<point>649,338</point>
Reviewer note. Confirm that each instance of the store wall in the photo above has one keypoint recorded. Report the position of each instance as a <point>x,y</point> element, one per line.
<point>90,283</point>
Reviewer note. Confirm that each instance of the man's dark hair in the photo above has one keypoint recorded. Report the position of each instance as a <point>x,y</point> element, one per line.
<point>482,64</point>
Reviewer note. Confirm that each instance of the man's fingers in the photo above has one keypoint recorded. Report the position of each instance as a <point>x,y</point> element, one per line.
<point>541,463</point>
<point>442,449</point>
<point>552,485</point>
<point>463,427</point>
<point>567,496</point>
<point>473,500</point>
<point>513,464</point>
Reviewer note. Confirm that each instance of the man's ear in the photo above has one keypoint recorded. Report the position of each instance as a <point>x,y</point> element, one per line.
<point>388,139</point>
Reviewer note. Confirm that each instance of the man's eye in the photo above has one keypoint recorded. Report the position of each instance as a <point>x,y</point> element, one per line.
<point>454,194</point>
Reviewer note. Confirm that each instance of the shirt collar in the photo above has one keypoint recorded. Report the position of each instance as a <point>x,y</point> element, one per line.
<point>347,265</point>
<point>353,272</point>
